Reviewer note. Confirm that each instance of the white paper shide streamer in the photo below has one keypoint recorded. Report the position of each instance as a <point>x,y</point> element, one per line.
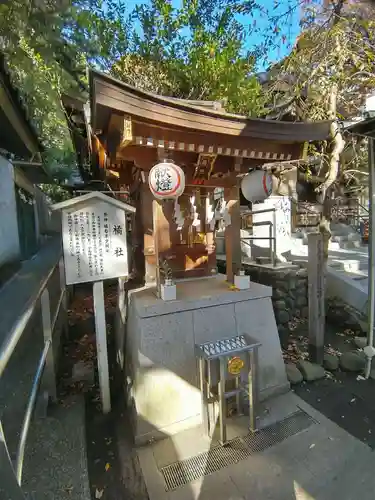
<point>178,216</point>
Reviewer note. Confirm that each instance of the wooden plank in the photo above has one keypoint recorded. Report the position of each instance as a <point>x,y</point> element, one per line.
<point>233,233</point>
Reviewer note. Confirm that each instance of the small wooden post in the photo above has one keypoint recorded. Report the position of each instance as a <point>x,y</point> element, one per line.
<point>233,233</point>
<point>316,278</point>
<point>161,233</point>
<point>120,321</point>
<point>156,209</point>
<point>101,345</point>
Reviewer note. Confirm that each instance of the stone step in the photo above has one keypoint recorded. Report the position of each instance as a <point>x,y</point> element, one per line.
<point>349,265</point>
<point>354,237</point>
<point>338,238</point>
<point>351,244</point>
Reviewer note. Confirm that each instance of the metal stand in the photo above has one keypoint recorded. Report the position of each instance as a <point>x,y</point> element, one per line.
<point>235,359</point>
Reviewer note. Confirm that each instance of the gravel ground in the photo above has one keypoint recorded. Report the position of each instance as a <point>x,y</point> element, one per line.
<point>345,398</point>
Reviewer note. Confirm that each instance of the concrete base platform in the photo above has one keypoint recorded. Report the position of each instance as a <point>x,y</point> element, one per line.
<point>321,462</point>
<point>161,363</point>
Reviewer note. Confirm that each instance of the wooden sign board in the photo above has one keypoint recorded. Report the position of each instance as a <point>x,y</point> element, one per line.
<point>94,238</point>
<point>95,249</point>
<point>94,241</point>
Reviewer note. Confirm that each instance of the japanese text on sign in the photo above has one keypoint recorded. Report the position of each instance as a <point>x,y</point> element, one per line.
<point>94,243</point>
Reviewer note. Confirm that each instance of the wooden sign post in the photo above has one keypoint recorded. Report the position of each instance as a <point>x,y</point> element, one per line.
<point>316,279</point>
<point>95,249</point>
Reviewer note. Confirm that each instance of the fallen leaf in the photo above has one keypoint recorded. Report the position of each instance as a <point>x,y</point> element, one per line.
<point>312,446</point>
<point>98,493</point>
<point>352,400</point>
<point>107,467</point>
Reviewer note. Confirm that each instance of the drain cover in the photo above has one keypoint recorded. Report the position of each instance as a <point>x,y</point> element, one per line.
<point>183,472</point>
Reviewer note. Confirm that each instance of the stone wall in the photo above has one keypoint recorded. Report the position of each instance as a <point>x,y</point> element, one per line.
<point>345,316</point>
<point>289,293</point>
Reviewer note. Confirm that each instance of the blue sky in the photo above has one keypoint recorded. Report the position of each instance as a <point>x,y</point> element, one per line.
<point>289,28</point>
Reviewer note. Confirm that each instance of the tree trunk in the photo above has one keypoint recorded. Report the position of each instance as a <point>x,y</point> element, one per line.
<point>332,174</point>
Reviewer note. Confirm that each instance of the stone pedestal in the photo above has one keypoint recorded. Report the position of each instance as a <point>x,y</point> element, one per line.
<point>162,376</point>
<point>282,230</point>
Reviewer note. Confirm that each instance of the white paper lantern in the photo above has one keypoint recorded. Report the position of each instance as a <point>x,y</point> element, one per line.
<point>257,186</point>
<point>166,180</point>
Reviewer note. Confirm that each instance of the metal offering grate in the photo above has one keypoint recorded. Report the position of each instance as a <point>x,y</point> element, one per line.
<point>223,346</point>
<point>183,472</point>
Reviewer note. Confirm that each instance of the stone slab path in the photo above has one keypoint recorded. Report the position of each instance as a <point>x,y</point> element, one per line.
<point>321,462</point>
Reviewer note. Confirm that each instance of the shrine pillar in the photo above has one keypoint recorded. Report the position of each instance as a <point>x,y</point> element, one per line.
<point>232,234</point>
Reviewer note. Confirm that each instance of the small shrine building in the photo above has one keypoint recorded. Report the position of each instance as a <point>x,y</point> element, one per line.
<point>169,158</point>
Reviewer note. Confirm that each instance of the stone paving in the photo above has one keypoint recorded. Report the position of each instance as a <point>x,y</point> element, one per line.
<point>323,462</point>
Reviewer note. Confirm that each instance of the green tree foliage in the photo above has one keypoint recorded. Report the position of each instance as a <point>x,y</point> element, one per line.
<point>328,75</point>
<point>195,52</point>
<point>47,46</point>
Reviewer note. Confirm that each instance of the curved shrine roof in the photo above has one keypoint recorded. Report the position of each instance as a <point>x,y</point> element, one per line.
<point>111,95</point>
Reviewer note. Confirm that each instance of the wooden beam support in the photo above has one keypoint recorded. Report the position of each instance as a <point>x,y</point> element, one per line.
<point>119,135</point>
<point>233,233</point>
<point>161,233</point>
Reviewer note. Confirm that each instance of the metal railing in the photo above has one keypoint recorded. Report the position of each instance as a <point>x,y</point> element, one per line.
<point>271,232</point>
<point>353,215</point>
<point>46,366</point>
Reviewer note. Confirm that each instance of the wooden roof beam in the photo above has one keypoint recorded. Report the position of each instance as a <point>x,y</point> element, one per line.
<point>119,135</point>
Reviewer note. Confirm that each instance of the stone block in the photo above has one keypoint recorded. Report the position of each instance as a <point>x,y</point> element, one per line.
<point>293,373</point>
<point>352,361</point>
<point>302,283</point>
<point>282,316</point>
<point>360,342</point>
<point>310,371</point>
<point>302,273</point>
<point>301,301</point>
<point>290,303</point>
<point>279,305</point>
<point>282,285</point>
<point>331,362</point>
<point>292,283</point>
<point>278,294</point>
<point>283,335</point>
